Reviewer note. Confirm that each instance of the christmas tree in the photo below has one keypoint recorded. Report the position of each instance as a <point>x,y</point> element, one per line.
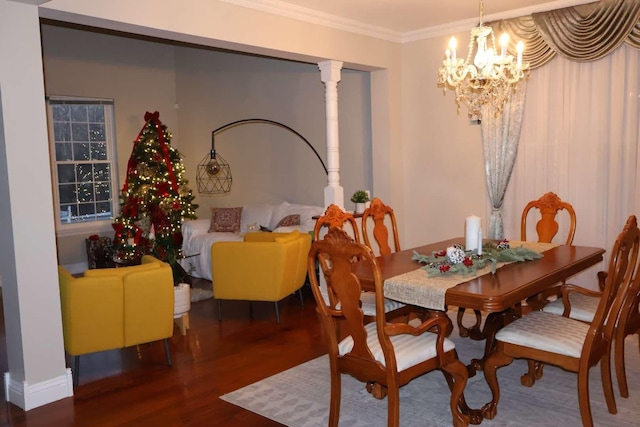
<point>155,198</point>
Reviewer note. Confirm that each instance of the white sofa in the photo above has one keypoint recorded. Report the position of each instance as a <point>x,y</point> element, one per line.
<point>198,240</point>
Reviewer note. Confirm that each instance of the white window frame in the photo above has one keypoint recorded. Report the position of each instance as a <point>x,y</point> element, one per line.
<point>94,225</point>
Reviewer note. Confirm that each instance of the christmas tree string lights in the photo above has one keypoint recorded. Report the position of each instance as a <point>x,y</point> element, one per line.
<point>155,198</point>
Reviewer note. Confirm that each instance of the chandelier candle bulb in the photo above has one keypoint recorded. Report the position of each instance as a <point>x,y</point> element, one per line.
<point>504,41</point>
<point>472,226</point>
<point>452,46</point>
<point>519,49</point>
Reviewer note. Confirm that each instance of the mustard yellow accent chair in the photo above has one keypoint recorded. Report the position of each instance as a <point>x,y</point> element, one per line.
<point>112,308</point>
<point>263,267</point>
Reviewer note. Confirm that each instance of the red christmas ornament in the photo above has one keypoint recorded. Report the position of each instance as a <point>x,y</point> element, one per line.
<point>163,189</point>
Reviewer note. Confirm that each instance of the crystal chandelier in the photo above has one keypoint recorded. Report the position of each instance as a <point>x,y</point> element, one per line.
<point>490,78</point>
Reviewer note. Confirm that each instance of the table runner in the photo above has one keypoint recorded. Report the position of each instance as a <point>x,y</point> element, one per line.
<point>418,288</point>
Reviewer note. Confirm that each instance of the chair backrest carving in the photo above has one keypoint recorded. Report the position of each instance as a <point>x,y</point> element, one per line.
<point>547,227</point>
<point>340,251</point>
<point>334,217</point>
<point>378,212</point>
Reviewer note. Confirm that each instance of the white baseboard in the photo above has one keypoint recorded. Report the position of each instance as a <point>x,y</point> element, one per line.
<point>29,396</point>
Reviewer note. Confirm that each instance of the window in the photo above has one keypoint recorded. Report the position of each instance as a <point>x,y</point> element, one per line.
<point>83,161</point>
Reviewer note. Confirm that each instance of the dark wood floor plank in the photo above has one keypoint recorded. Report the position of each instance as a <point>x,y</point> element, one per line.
<point>135,386</point>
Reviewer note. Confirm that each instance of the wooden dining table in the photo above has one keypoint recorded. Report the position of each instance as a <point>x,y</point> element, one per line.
<point>493,293</point>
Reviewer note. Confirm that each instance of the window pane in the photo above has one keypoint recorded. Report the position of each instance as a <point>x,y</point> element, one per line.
<point>81,151</point>
<point>96,113</point>
<point>66,173</point>
<point>80,131</point>
<point>62,131</point>
<point>96,132</point>
<point>103,190</point>
<point>85,192</point>
<point>101,172</point>
<point>104,208</point>
<point>63,151</point>
<point>84,172</point>
<point>67,212</point>
<point>99,151</point>
<point>60,112</point>
<point>78,113</point>
<point>67,193</point>
<point>87,209</point>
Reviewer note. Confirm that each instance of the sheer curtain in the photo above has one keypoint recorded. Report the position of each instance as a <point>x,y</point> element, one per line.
<point>500,136</point>
<point>580,139</point>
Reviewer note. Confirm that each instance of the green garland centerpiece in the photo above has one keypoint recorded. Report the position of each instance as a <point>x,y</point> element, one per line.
<point>455,260</point>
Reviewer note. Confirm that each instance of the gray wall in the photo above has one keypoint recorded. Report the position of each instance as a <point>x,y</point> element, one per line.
<point>197,90</point>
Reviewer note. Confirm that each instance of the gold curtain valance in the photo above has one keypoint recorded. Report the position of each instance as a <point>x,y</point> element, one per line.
<point>582,33</point>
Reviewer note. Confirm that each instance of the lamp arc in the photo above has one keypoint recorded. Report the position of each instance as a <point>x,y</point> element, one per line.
<point>214,174</point>
<point>271,122</point>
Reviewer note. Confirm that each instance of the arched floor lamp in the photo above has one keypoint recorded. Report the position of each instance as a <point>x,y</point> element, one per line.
<point>214,173</point>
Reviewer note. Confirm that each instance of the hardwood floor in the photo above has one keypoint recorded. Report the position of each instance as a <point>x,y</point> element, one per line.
<point>135,386</point>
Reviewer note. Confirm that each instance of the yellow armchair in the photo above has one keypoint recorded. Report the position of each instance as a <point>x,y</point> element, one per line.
<point>116,307</point>
<point>264,267</point>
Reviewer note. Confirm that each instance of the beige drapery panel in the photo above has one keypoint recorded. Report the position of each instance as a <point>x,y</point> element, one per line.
<point>582,33</point>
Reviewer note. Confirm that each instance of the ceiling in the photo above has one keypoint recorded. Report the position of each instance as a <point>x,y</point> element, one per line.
<point>405,16</point>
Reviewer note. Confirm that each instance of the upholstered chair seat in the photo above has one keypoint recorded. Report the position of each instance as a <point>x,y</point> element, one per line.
<point>409,349</point>
<point>547,332</point>
<point>583,307</point>
<point>368,300</point>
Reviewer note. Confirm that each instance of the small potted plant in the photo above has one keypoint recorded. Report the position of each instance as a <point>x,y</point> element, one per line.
<point>360,198</point>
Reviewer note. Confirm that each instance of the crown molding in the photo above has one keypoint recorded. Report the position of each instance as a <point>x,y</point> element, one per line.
<point>288,10</point>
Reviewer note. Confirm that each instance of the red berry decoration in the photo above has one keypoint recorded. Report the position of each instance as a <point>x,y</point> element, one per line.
<point>468,261</point>
<point>444,268</point>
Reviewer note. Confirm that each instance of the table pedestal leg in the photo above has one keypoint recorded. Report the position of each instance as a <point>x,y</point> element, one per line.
<point>494,322</point>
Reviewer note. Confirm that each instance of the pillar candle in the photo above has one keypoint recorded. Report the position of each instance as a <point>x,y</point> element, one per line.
<point>480,241</point>
<point>472,226</point>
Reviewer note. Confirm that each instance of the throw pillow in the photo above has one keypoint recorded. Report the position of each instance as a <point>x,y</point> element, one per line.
<point>289,221</point>
<point>225,220</point>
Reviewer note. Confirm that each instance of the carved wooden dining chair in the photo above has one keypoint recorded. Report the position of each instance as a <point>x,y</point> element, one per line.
<point>581,304</point>
<point>571,344</point>
<point>547,228</point>
<point>335,217</point>
<point>378,212</point>
<point>385,356</point>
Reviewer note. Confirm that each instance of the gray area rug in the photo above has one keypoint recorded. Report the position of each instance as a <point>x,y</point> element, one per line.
<point>198,294</point>
<point>299,397</point>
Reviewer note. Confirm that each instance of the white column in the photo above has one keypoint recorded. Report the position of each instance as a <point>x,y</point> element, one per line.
<point>330,76</point>
<point>37,374</point>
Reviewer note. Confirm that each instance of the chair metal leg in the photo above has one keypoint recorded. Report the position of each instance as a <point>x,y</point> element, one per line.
<point>76,370</point>
<point>277,313</point>
<point>166,350</point>
<point>219,311</point>
<point>301,297</point>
